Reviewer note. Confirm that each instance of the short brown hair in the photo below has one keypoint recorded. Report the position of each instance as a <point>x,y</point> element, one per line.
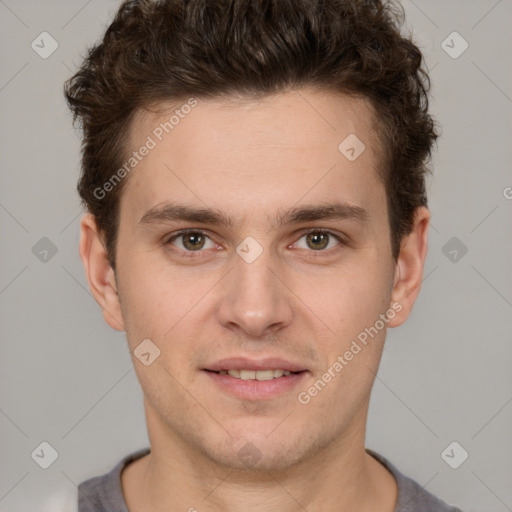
<point>173,49</point>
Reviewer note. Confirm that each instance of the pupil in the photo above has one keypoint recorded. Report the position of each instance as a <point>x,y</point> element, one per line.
<point>193,241</point>
<point>319,240</point>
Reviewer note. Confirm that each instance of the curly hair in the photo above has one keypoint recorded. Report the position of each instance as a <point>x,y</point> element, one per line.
<point>173,49</point>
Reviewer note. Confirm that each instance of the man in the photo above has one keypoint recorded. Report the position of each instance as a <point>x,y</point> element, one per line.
<point>254,174</point>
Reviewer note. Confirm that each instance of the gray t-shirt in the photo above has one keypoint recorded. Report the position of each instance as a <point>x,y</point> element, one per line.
<point>104,493</point>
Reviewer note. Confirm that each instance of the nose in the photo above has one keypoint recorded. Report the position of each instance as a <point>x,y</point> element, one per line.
<point>255,300</point>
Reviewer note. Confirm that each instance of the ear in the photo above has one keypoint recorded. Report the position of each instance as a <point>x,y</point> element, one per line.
<point>409,267</point>
<point>100,275</point>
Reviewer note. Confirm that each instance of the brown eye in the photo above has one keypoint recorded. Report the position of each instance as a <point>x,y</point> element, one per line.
<point>193,241</point>
<point>317,240</point>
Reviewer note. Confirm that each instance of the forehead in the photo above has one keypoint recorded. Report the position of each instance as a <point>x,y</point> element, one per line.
<point>294,120</point>
<point>248,155</point>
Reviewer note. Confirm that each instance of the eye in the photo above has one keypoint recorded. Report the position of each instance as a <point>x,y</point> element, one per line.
<point>318,240</point>
<point>191,241</point>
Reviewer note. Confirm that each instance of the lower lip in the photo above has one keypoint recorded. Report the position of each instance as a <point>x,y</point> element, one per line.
<point>256,389</point>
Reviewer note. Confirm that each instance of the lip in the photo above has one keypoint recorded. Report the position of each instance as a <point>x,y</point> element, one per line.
<point>255,389</point>
<point>243,363</point>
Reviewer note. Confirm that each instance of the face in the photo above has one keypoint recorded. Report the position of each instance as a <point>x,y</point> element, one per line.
<point>284,276</point>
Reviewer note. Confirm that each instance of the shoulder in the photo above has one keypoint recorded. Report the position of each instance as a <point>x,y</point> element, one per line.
<point>104,493</point>
<point>412,497</point>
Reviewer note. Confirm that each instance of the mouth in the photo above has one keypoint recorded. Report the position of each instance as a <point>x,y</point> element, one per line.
<point>260,375</point>
<point>255,380</point>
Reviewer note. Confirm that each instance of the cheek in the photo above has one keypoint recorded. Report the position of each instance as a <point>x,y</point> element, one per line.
<point>144,290</point>
<point>355,298</point>
<point>161,305</point>
<point>148,302</point>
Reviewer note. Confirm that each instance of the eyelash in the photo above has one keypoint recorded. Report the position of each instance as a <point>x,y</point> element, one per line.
<point>197,254</point>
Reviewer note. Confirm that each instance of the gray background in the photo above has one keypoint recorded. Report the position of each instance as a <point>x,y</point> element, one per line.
<point>66,377</point>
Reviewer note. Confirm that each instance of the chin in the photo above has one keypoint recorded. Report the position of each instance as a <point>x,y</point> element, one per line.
<point>250,458</point>
<point>257,452</point>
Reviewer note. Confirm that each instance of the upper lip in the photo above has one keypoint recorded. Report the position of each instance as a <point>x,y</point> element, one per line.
<point>243,363</point>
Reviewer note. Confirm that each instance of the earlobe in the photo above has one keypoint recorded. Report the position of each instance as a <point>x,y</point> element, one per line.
<point>100,275</point>
<point>409,266</point>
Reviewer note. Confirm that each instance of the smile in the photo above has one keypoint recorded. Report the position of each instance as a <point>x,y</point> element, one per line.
<point>256,375</point>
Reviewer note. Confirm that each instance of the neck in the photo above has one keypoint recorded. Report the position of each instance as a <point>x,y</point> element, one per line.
<point>339,476</point>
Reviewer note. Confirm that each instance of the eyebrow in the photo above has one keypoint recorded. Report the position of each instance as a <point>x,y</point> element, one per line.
<point>169,212</point>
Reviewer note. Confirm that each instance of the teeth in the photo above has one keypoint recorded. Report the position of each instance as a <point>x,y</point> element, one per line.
<point>265,375</point>
<point>255,375</point>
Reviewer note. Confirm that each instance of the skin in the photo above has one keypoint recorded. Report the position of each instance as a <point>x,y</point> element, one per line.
<point>253,160</point>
